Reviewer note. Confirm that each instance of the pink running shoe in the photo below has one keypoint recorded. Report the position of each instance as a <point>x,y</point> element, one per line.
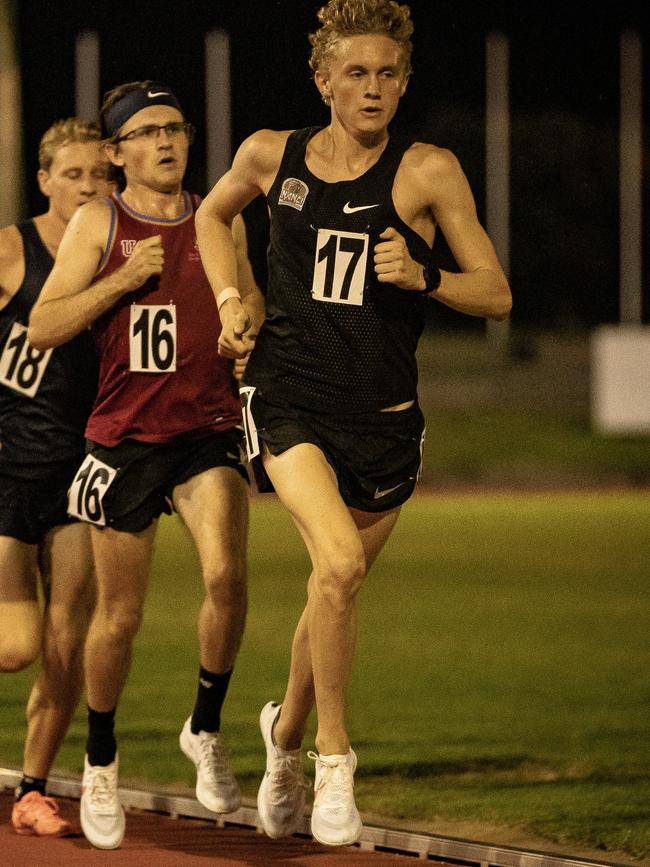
<point>38,815</point>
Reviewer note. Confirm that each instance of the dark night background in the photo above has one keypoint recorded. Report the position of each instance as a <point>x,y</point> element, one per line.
<point>564,62</point>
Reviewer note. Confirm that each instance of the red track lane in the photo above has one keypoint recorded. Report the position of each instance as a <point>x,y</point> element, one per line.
<point>154,840</point>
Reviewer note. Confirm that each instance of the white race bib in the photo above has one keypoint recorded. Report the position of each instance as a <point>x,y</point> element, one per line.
<point>152,338</point>
<point>340,267</point>
<point>246,393</point>
<point>87,491</point>
<point>21,366</point>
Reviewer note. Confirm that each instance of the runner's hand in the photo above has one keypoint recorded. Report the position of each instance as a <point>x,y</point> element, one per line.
<point>393,262</point>
<point>240,367</point>
<point>236,339</point>
<point>147,259</point>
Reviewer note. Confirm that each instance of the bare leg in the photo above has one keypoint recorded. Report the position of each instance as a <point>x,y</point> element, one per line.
<point>122,561</point>
<point>342,545</point>
<point>214,506</point>
<point>66,565</point>
<point>21,623</point>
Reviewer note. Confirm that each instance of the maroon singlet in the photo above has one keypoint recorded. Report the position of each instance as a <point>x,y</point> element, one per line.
<point>161,376</point>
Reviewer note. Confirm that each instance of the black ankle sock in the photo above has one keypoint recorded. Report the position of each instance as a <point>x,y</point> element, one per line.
<point>101,746</point>
<point>209,700</point>
<point>29,784</point>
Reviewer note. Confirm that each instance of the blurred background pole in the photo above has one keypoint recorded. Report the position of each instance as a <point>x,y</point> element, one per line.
<point>631,123</point>
<point>87,82</point>
<point>10,120</point>
<point>497,160</point>
<point>217,105</point>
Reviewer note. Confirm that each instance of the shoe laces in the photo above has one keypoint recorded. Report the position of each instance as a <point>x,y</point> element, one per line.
<point>213,757</point>
<point>103,787</point>
<point>285,777</point>
<point>335,784</point>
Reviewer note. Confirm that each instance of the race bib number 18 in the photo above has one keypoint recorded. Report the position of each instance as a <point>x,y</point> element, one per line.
<point>21,366</point>
<point>340,267</point>
<point>152,338</point>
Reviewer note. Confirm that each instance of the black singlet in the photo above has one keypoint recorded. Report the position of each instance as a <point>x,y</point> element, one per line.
<point>45,397</point>
<point>335,338</point>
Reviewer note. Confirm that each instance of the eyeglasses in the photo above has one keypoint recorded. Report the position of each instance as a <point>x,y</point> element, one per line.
<point>152,130</point>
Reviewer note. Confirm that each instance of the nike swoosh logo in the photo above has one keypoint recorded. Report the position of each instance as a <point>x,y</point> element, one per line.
<point>378,494</point>
<point>158,93</point>
<point>348,209</point>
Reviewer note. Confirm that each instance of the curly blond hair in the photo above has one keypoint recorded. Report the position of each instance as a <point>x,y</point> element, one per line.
<point>63,132</point>
<point>341,18</point>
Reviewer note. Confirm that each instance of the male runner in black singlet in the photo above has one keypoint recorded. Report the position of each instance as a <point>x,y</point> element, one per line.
<point>45,398</point>
<point>330,389</point>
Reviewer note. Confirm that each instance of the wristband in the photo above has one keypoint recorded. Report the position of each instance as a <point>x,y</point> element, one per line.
<point>432,278</point>
<point>225,294</point>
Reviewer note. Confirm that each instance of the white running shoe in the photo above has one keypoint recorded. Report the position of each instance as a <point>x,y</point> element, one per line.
<point>335,820</point>
<point>101,814</point>
<point>282,793</point>
<point>216,786</point>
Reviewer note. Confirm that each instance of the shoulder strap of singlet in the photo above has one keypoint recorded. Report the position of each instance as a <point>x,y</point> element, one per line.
<point>398,144</point>
<point>296,144</point>
<point>34,248</point>
<point>111,202</point>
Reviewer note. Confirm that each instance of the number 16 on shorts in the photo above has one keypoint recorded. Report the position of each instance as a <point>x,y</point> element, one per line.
<point>87,491</point>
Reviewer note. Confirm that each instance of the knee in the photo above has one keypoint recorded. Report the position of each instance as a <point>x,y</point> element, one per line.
<point>225,583</point>
<point>119,622</point>
<point>18,652</point>
<point>340,576</point>
<point>65,638</point>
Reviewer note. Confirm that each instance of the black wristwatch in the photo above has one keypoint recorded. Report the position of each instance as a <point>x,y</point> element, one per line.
<point>432,277</point>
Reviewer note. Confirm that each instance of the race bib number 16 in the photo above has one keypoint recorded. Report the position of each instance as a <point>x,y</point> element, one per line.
<point>152,338</point>
<point>87,491</point>
<point>340,267</point>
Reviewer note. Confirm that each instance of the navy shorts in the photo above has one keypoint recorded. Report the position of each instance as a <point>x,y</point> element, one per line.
<point>128,486</point>
<point>30,508</point>
<point>376,455</point>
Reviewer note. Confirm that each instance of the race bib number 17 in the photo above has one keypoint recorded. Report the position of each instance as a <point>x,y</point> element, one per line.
<point>340,267</point>
<point>21,366</point>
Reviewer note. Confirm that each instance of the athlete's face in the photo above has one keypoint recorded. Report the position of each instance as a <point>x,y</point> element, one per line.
<point>156,161</point>
<point>364,82</point>
<point>79,172</point>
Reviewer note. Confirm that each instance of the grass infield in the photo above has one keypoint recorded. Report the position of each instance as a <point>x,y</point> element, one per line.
<point>502,674</point>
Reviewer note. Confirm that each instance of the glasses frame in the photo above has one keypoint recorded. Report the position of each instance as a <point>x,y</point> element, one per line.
<point>136,133</point>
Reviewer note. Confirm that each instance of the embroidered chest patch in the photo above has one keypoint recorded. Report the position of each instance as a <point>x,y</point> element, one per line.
<point>293,193</point>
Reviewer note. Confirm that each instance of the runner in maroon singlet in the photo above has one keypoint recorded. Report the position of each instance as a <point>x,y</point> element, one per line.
<point>164,431</point>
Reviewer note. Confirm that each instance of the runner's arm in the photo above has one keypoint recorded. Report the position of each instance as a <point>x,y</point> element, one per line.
<point>68,303</point>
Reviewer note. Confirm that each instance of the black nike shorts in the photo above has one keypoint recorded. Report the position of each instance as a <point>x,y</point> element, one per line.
<point>128,486</point>
<point>376,455</point>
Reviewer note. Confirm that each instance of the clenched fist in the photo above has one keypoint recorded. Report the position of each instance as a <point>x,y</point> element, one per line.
<point>147,259</point>
<point>393,262</point>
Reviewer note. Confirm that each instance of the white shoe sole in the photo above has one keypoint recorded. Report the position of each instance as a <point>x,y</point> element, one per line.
<point>89,831</point>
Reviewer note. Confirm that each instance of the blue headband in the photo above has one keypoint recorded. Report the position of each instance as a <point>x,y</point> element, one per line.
<point>135,100</point>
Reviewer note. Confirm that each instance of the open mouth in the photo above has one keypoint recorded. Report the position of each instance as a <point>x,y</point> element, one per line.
<point>166,161</point>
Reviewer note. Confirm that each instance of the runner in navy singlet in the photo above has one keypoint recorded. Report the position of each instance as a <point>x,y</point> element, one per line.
<point>163,432</point>
<point>330,390</point>
<point>45,399</point>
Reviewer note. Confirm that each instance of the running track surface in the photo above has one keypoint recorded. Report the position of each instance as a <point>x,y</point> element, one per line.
<point>154,840</point>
